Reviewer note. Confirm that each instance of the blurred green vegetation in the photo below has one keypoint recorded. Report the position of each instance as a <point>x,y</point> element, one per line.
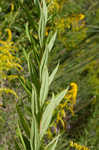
<point>78,53</point>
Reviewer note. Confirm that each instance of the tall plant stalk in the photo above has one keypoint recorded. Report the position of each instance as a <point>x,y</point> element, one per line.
<point>31,131</point>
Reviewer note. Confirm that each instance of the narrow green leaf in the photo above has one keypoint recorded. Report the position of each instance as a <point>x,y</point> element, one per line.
<point>51,42</point>
<point>52,144</point>
<point>43,62</point>
<point>42,23</point>
<point>21,1</point>
<point>36,2</point>
<point>23,122</point>
<point>17,147</point>
<point>37,137</point>
<point>24,86</point>
<point>48,113</point>
<point>34,102</point>
<point>27,31</point>
<point>32,69</point>
<point>59,97</point>
<point>44,86</point>
<point>51,77</point>
<point>32,135</point>
<point>46,117</point>
<point>27,142</point>
<point>21,138</point>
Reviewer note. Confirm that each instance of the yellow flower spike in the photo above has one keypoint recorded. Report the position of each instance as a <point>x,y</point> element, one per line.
<point>11,77</point>
<point>9,34</point>
<point>7,90</point>
<point>49,133</point>
<point>35,36</point>
<point>63,113</point>
<point>71,144</point>
<point>12,7</point>
<point>82,16</point>
<point>71,110</point>
<point>2,42</point>
<point>78,146</point>
<point>62,123</point>
<point>58,118</point>
<point>68,96</point>
<point>47,29</point>
<point>75,88</point>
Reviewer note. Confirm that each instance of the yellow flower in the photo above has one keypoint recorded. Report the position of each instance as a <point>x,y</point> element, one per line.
<point>78,146</point>
<point>12,7</point>
<point>49,133</point>
<point>82,16</point>
<point>47,29</point>
<point>53,5</point>
<point>7,90</point>
<point>9,35</point>
<point>71,96</point>
<point>74,91</point>
<point>7,59</point>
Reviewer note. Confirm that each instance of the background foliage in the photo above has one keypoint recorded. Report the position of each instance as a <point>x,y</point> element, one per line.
<point>76,47</point>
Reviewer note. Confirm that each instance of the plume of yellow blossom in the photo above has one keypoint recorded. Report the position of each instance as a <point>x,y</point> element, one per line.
<point>53,5</point>
<point>71,96</point>
<point>12,7</point>
<point>67,104</point>
<point>7,90</point>
<point>82,16</point>
<point>8,60</point>
<point>78,146</point>
<point>72,93</point>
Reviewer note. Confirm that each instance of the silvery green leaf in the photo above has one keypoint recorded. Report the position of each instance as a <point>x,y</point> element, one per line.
<point>42,23</point>
<point>48,113</point>
<point>46,117</point>
<point>27,31</point>
<point>36,2</point>
<point>43,62</point>
<point>44,86</point>
<point>21,1</point>
<point>51,77</point>
<point>21,138</point>
<point>34,135</point>
<point>52,144</point>
<point>60,96</point>
<point>37,137</point>
<point>34,103</point>
<point>51,42</point>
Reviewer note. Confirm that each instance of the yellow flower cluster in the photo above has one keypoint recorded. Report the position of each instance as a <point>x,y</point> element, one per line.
<point>77,21</point>
<point>71,96</point>
<point>67,104</point>
<point>7,90</point>
<point>78,146</point>
<point>8,60</point>
<point>72,93</point>
<point>12,7</point>
<point>60,25</point>
<point>55,5</point>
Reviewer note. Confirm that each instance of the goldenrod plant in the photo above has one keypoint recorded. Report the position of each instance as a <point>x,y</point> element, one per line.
<point>60,114</point>
<point>8,61</point>
<point>78,146</point>
<point>33,126</point>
